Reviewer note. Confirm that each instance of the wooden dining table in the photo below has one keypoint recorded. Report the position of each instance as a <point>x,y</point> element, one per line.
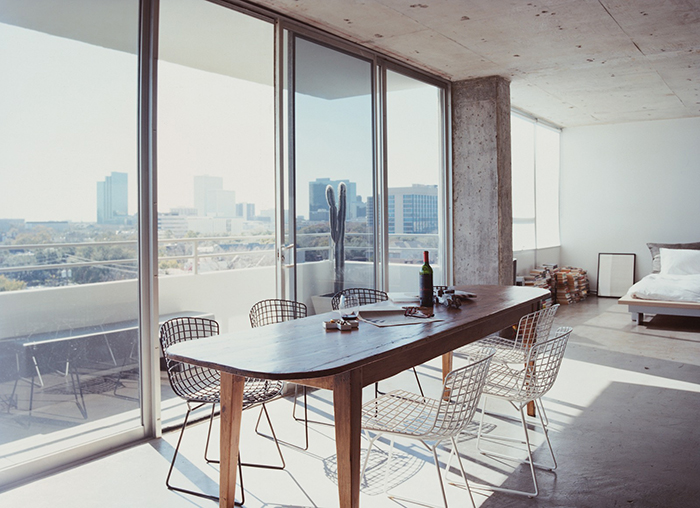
<point>304,352</point>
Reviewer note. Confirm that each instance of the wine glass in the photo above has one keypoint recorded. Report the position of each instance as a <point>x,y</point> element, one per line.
<point>349,306</point>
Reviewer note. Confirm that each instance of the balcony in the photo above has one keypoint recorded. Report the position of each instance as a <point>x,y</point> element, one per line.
<point>87,386</point>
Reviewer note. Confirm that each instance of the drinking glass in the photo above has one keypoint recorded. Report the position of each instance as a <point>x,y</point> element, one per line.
<point>349,306</point>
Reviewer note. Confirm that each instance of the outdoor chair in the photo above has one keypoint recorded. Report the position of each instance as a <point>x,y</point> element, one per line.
<point>367,296</point>
<point>519,387</point>
<point>406,414</point>
<point>199,386</point>
<point>270,311</point>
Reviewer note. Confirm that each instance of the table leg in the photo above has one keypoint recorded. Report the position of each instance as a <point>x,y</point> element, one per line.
<point>347,406</point>
<point>446,369</point>
<point>231,409</point>
<point>446,364</point>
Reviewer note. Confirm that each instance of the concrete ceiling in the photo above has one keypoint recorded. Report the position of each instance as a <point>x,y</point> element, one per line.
<point>570,62</point>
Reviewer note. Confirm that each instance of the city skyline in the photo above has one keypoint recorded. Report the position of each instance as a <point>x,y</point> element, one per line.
<point>75,121</point>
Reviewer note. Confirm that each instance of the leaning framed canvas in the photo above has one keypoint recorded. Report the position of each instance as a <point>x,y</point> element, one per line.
<point>615,273</point>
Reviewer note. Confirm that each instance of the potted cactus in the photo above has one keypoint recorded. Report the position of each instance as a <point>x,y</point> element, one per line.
<point>336,215</point>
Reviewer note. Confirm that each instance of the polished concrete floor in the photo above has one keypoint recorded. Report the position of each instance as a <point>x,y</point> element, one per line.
<point>624,422</point>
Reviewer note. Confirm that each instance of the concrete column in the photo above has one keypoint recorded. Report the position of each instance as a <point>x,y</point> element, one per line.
<point>483,226</point>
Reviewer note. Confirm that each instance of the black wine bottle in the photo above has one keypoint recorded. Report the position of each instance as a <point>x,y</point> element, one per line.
<point>426,283</point>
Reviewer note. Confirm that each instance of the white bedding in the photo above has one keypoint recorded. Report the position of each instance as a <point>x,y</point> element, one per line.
<point>675,288</point>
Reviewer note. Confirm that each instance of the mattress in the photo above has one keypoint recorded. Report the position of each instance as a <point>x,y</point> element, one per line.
<point>673,288</point>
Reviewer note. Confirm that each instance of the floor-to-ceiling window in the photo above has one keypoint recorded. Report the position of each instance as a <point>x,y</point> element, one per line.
<point>333,169</point>
<point>216,164</point>
<point>415,165</point>
<point>70,288</point>
<point>69,346</point>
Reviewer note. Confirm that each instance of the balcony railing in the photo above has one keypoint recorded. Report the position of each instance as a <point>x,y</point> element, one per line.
<point>196,250</point>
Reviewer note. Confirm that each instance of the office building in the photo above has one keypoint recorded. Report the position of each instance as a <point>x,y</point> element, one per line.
<point>411,210</point>
<point>318,204</point>
<point>112,199</point>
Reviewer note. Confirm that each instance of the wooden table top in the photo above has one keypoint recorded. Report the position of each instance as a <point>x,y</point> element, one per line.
<point>302,349</point>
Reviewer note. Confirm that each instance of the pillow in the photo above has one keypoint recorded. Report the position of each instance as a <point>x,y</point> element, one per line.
<point>680,261</point>
<point>655,257</point>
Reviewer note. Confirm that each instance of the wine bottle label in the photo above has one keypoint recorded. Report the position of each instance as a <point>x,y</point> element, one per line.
<point>426,290</point>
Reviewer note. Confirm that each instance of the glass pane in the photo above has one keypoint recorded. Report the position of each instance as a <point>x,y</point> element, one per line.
<point>523,167</point>
<point>216,180</point>
<point>414,152</point>
<point>547,149</point>
<point>333,122</point>
<point>69,366</point>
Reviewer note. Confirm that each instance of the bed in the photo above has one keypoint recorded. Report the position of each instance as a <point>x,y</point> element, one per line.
<point>673,287</point>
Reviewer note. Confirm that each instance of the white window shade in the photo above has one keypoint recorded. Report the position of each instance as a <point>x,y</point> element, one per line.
<point>547,186</point>
<point>535,184</point>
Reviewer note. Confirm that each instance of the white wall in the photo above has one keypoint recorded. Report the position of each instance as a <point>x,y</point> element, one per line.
<point>624,185</point>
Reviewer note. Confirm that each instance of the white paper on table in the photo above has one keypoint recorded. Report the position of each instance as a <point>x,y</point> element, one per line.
<point>392,317</point>
<point>403,297</point>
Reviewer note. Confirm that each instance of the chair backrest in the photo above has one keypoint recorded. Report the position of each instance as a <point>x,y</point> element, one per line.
<point>542,364</point>
<point>535,326</point>
<point>267,312</point>
<point>186,379</point>
<point>364,295</point>
<point>464,386</point>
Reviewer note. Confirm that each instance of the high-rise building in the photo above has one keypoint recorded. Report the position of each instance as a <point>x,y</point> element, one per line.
<point>113,199</point>
<point>318,205</point>
<point>205,188</point>
<point>411,210</point>
<point>245,210</point>
<point>210,198</point>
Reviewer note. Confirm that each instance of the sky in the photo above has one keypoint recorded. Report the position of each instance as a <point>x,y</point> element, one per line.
<point>68,118</point>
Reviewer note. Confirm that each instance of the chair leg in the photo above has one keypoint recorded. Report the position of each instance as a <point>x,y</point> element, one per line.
<point>38,372</point>
<point>495,438</point>
<point>461,467</point>
<point>274,437</point>
<point>13,400</point>
<point>540,406</point>
<point>78,388</point>
<point>206,447</point>
<point>543,416</point>
<point>507,457</point>
<point>378,392</point>
<point>415,373</point>
<point>306,414</point>
<point>369,450</point>
<point>388,463</point>
<point>433,450</point>
<point>437,467</point>
<point>529,456</point>
<point>177,449</point>
<point>305,419</point>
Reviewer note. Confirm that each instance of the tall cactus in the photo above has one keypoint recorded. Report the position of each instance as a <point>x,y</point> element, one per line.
<point>337,224</point>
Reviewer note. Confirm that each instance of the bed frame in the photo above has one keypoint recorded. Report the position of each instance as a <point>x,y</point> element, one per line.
<point>638,308</point>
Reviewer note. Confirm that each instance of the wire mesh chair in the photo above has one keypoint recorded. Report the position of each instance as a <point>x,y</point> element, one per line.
<point>402,413</point>
<point>267,312</point>
<point>519,387</point>
<point>532,328</point>
<point>271,311</point>
<point>364,295</point>
<point>367,296</point>
<point>199,386</point>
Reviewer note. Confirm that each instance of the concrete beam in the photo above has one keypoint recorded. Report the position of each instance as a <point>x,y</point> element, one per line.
<point>481,177</point>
